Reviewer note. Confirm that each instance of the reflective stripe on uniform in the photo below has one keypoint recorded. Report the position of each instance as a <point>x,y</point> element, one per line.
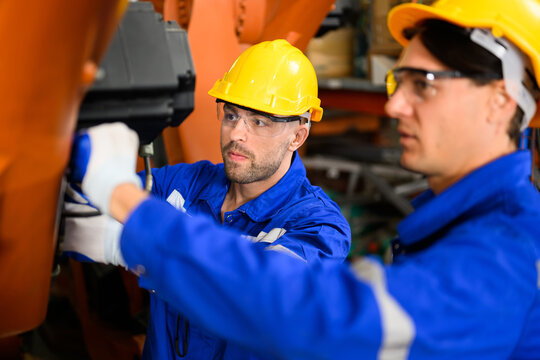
<point>271,236</point>
<point>398,329</point>
<point>267,237</point>
<point>538,272</point>
<point>283,249</point>
<point>177,200</point>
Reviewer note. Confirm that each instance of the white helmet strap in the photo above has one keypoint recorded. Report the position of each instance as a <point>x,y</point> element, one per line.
<point>513,68</point>
<point>307,116</point>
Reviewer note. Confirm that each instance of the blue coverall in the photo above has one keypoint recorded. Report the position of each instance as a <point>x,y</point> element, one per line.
<point>292,217</point>
<point>464,283</point>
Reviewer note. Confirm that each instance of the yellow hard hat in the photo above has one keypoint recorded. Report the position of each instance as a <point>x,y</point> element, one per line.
<point>517,21</point>
<point>274,77</point>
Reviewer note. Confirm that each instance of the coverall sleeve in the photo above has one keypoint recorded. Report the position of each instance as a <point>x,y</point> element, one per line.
<point>282,308</point>
<point>319,232</point>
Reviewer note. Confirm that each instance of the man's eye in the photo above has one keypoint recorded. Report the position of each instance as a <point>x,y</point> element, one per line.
<point>420,86</point>
<point>230,117</point>
<point>260,122</point>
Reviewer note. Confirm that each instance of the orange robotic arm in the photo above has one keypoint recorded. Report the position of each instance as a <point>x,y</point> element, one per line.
<point>47,60</point>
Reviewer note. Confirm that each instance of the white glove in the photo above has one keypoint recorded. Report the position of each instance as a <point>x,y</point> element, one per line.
<point>92,237</point>
<point>104,157</point>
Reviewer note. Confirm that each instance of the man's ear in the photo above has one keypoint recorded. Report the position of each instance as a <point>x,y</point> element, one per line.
<point>299,137</point>
<point>502,105</point>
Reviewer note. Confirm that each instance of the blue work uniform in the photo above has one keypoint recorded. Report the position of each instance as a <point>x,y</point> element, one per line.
<point>292,217</point>
<point>464,283</point>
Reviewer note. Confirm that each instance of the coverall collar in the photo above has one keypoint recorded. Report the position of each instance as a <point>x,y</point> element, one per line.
<point>434,212</point>
<point>269,202</point>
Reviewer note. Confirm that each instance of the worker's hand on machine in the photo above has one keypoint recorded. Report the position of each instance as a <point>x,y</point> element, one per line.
<point>88,234</point>
<point>104,157</point>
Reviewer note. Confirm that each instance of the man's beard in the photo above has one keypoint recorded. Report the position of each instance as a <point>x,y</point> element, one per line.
<point>256,171</point>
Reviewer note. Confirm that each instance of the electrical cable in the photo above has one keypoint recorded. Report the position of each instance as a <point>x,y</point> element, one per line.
<point>75,214</point>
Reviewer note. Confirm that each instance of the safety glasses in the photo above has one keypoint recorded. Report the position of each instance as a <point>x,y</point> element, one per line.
<point>420,85</point>
<point>257,122</point>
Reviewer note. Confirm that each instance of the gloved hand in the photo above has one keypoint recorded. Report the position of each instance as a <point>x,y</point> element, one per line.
<point>104,157</point>
<point>89,235</point>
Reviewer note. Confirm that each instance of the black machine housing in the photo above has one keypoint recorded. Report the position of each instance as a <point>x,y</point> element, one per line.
<point>146,79</point>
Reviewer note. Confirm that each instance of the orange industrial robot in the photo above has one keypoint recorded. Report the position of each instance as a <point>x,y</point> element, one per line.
<point>48,59</point>
<point>49,56</point>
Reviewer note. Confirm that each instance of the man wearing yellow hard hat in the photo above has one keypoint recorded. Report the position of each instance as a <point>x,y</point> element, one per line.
<point>464,282</point>
<point>265,104</point>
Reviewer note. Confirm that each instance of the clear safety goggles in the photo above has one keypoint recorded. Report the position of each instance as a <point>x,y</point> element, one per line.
<point>257,122</point>
<point>419,85</point>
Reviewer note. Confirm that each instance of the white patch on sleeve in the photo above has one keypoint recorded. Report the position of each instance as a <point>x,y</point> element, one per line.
<point>270,236</point>
<point>397,326</point>
<point>177,200</point>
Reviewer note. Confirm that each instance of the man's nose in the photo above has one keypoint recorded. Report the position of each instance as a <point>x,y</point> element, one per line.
<point>240,129</point>
<point>398,105</point>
